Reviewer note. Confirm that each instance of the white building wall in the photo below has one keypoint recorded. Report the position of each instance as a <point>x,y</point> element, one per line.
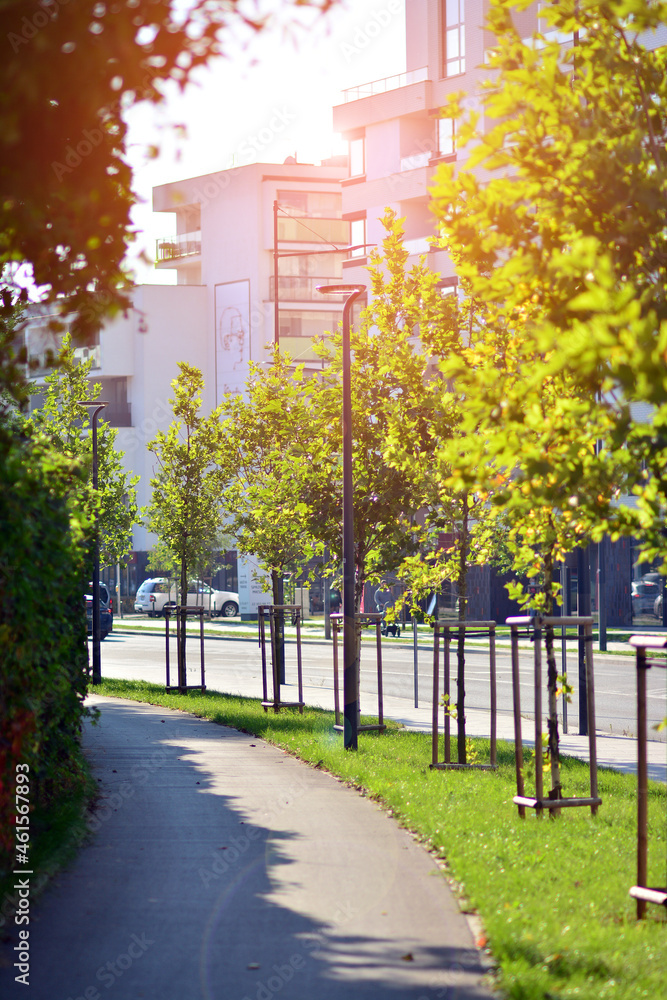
<point>168,324</point>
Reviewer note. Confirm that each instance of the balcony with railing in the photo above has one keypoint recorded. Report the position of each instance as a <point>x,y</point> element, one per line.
<point>172,248</point>
<point>386,84</point>
<point>391,97</point>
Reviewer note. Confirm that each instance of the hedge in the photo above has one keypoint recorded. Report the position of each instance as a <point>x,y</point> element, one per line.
<point>43,654</point>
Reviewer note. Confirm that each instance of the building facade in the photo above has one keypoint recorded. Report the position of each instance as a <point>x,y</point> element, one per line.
<point>230,227</point>
<point>240,235</point>
<point>397,138</point>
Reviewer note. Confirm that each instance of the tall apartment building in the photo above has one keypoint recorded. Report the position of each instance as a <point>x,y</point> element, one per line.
<point>229,225</point>
<point>396,136</point>
<point>396,141</point>
<point>221,313</point>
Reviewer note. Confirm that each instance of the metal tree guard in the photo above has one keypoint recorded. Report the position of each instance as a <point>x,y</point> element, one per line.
<point>275,610</point>
<point>369,619</point>
<point>182,612</point>
<point>642,892</point>
<point>533,628</point>
<point>478,629</point>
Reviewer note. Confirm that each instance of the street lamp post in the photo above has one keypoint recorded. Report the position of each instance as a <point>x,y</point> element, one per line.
<point>97,406</point>
<point>350,652</point>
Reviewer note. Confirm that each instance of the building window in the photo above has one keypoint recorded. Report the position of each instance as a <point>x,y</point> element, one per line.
<point>311,217</point>
<point>449,286</point>
<point>357,157</point>
<point>358,237</point>
<point>311,204</point>
<point>453,37</point>
<point>118,412</point>
<point>446,136</point>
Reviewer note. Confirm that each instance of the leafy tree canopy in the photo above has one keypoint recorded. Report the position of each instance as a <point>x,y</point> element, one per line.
<point>68,427</point>
<point>270,455</point>
<point>185,510</point>
<point>70,69</point>
<point>559,241</point>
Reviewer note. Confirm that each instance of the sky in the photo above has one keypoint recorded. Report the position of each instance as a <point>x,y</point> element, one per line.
<point>268,99</point>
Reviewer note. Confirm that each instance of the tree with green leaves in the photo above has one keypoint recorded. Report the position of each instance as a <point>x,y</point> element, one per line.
<point>419,323</point>
<point>66,424</point>
<point>185,508</point>
<point>270,454</point>
<point>558,223</point>
<point>205,564</point>
<point>385,371</point>
<point>564,237</point>
<point>64,173</point>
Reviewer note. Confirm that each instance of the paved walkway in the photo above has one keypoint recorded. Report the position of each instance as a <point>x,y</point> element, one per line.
<point>220,867</point>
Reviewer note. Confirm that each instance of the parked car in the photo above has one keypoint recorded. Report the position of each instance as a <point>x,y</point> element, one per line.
<point>105,597</point>
<point>644,595</point>
<point>657,607</point>
<point>155,593</point>
<point>106,617</point>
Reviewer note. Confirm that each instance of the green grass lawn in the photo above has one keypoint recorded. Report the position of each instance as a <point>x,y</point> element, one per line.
<point>552,895</point>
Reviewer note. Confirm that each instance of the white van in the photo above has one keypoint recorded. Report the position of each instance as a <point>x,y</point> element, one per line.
<point>153,594</point>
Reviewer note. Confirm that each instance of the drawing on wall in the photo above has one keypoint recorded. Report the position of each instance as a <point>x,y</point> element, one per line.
<point>232,336</point>
<point>254,585</point>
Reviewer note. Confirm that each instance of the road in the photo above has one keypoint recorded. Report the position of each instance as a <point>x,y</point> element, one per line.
<point>234,666</point>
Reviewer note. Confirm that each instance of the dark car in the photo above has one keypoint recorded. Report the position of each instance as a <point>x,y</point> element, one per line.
<point>106,617</point>
<point>644,595</point>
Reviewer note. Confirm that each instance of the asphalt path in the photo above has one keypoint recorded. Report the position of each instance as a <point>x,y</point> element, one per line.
<point>221,868</point>
<point>234,666</point>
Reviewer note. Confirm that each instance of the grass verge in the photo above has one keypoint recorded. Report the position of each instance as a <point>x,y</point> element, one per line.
<point>552,895</point>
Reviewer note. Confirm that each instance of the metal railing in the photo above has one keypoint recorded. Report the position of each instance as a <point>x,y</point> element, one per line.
<point>176,247</point>
<point>386,84</point>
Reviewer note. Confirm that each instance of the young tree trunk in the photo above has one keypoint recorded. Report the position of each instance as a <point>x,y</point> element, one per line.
<point>552,683</point>
<point>462,586</point>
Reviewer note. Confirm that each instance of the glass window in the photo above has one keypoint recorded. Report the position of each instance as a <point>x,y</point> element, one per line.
<point>358,237</point>
<point>310,230</point>
<point>449,286</point>
<point>357,157</point>
<point>325,265</point>
<point>312,204</point>
<point>446,136</point>
<point>453,19</point>
<point>307,323</point>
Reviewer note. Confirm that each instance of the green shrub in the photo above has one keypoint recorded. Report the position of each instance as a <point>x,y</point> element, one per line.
<point>42,624</point>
